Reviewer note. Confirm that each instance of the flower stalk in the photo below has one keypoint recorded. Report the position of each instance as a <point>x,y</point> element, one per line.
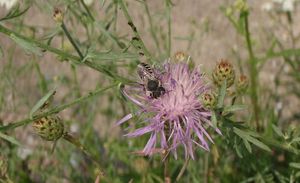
<point>253,72</point>
<point>55,110</point>
<point>68,137</point>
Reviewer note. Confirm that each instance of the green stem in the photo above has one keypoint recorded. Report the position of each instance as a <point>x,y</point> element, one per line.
<point>168,3</point>
<point>167,177</point>
<point>135,32</point>
<point>152,31</point>
<point>280,145</point>
<point>65,55</point>
<point>253,73</point>
<point>63,26</point>
<point>87,10</point>
<point>68,137</point>
<point>55,110</point>
<point>183,169</point>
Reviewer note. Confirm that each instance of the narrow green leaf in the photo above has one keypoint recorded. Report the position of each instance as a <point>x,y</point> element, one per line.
<point>27,46</point>
<point>14,13</point>
<point>214,119</point>
<point>246,136</point>
<point>295,140</point>
<point>222,93</point>
<point>108,56</point>
<point>277,131</point>
<point>10,139</point>
<point>295,165</point>
<point>234,108</point>
<point>247,145</point>
<point>237,150</point>
<point>41,102</point>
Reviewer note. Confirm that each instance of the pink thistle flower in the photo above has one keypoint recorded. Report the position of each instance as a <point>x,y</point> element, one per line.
<point>177,116</point>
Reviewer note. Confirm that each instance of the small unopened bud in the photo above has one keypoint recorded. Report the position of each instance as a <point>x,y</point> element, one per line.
<point>3,167</point>
<point>223,71</point>
<point>209,100</point>
<point>242,84</point>
<point>229,11</point>
<point>241,5</point>
<point>183,57</point>
<point>58,15</point>
<point>180,56</point>
<point>49,128</point>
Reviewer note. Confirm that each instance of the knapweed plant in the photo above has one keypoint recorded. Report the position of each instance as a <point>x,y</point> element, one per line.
<point>99,91</point>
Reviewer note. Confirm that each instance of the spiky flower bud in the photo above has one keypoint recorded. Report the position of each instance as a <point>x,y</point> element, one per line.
<point>58,15</point>
<point>3,167</point>
<point>223,71</point>
<point>242,84</point>
<point>49,128</point>
<point>180,56</point>
<point>209,100</point>
<point>183,57</point>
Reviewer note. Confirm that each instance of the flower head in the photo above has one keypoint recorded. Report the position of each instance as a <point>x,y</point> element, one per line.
<point>177,117</point>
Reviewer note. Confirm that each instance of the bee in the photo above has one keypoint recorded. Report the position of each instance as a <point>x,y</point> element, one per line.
<point>152,84</point>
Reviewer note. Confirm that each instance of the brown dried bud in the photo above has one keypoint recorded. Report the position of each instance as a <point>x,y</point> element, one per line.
<point>180,56</point>
<point>58,15</point>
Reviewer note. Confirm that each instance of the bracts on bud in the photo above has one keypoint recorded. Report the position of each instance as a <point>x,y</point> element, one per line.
<point>209,100</point>
<point>3,167</point>
<point>223,71</point>
<point>242,84</point>
<point>49,128</point>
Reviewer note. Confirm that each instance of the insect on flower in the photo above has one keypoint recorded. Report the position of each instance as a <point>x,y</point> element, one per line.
<point>175,117</point>
<point>151,82</point>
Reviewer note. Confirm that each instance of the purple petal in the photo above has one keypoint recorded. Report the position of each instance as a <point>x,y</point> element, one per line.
<point>140,131</point>
<point>150,144</point>
<point>124,92</point>
<point>124,119</point>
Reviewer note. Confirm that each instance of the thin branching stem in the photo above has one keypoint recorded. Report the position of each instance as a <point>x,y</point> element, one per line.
<point>152,30</point>
<point>65,55</point>
<point>183,169</point>
<point>166,171</point>
<point>142,49</point>
<point>169,43</point>
<point>68,137</point>
<point>87,10</point>
<point>253,73</point>
<point>54,110</point>
<point>63,26</point>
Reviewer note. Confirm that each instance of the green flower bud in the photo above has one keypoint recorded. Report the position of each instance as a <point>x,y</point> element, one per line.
<point>223,71</point>
<point>229,11</point>
<point>241,5</point>
<point>209,100</point>
<point>3,167</point>
<point>242,84</point>
<point>49,128</point>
